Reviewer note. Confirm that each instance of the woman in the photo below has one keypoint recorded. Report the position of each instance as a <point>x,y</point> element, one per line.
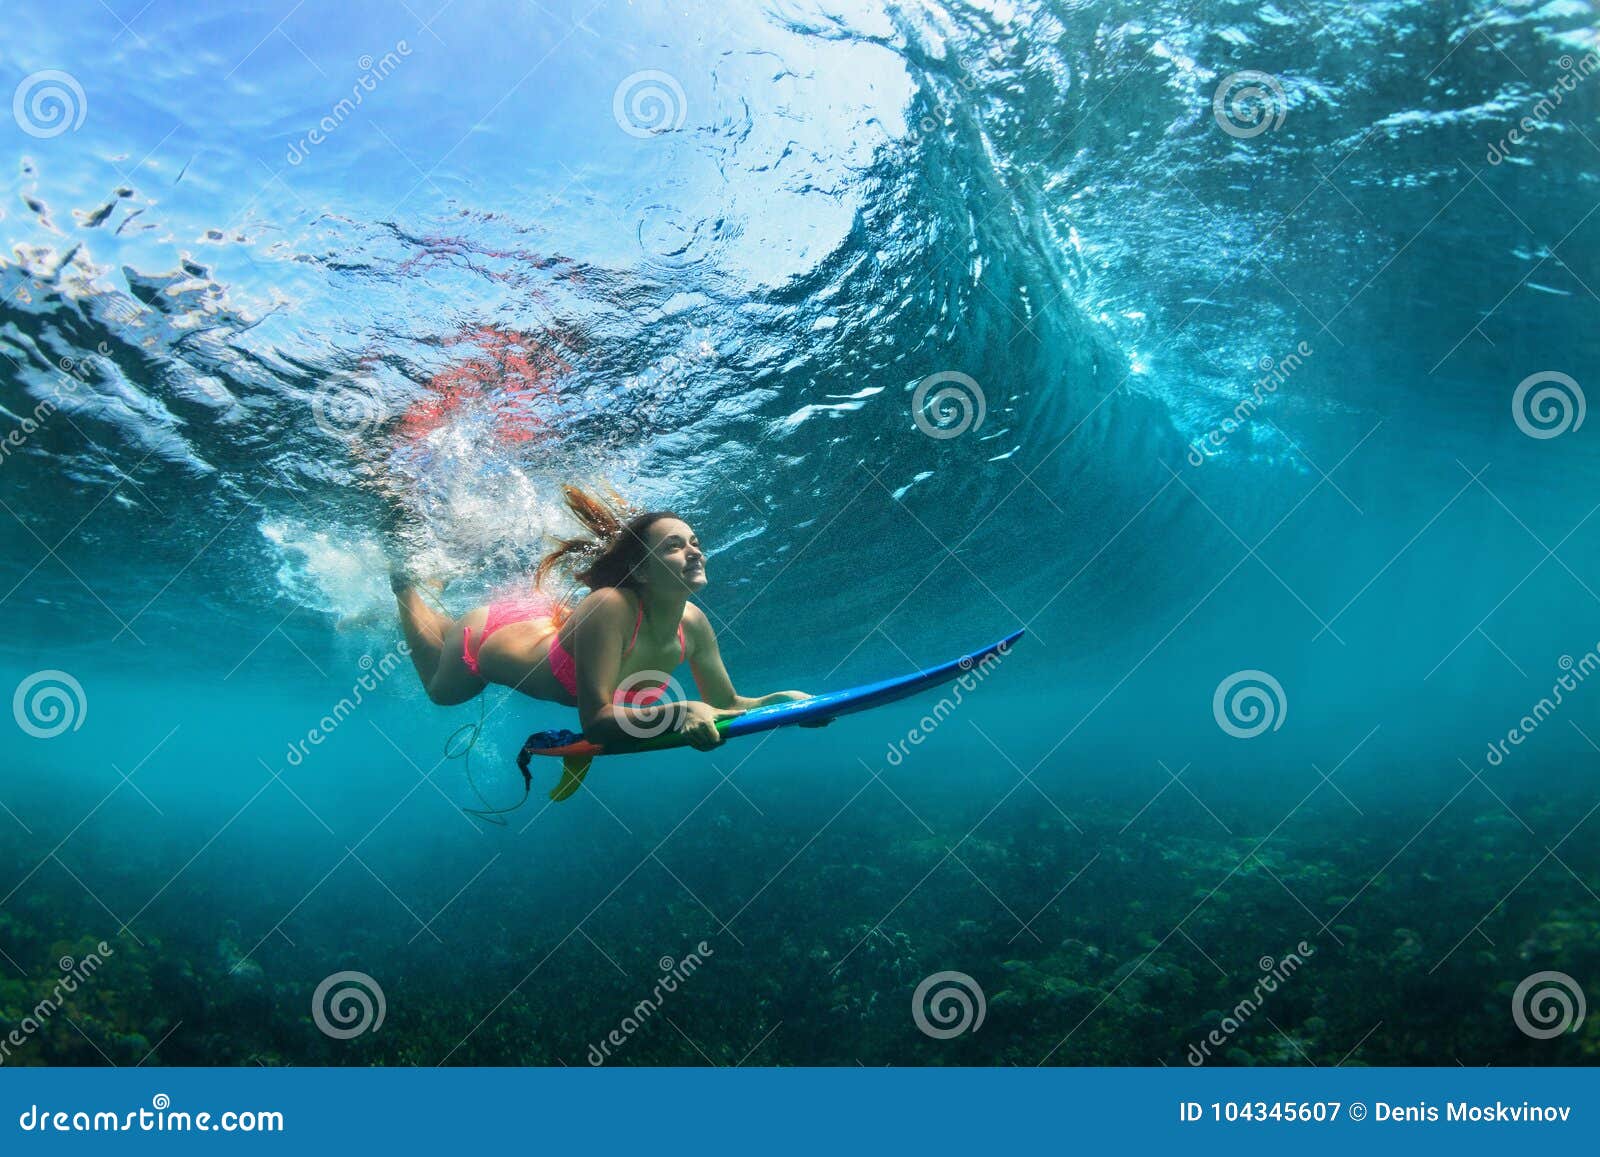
<point>610,655</point>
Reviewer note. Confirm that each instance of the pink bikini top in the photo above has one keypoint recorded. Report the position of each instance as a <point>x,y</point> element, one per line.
<point>565,668</point>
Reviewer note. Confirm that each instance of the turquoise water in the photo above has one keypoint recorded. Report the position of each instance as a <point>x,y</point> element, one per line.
<point>1269,428</point>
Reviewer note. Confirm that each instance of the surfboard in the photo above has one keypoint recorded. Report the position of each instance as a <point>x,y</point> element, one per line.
<point>830,705</point>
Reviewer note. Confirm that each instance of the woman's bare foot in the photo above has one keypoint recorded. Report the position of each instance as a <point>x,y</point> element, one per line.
<point>402,580</point>
<point>360,620</point>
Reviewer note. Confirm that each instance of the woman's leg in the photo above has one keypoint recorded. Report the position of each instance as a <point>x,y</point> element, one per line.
<point>424,628</point>
<point>452,680</point>
<point>435,642</point>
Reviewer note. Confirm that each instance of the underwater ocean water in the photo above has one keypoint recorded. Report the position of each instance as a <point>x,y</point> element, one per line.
<point>1238,351</point>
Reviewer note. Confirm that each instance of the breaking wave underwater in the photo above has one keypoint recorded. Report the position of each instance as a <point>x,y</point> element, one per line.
<point>1234,310</point>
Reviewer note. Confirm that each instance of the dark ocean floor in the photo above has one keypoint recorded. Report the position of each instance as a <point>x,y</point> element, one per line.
<point>1162,945</point>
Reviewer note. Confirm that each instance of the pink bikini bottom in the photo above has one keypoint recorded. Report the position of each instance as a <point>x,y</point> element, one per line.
<point>538,605</point>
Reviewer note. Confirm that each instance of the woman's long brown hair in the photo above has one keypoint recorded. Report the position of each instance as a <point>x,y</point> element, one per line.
<point>614,547</point>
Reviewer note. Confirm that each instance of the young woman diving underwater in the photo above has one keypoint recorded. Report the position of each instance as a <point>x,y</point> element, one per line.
<point>609,655</point>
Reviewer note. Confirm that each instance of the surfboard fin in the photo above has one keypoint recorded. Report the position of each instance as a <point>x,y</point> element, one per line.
<point>573,769</point>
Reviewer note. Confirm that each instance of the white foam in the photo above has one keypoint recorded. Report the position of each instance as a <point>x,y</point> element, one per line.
<point>328,571</point>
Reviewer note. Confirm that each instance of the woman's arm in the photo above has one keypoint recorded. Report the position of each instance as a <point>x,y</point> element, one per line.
<point>599,630</point>
<point>711,675</point>
<point>597,656</point>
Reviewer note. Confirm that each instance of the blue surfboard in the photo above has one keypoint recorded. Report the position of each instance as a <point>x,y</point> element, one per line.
<point>819,708</point>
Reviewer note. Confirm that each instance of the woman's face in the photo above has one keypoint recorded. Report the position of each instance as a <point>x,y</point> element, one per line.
<point>675,560</point>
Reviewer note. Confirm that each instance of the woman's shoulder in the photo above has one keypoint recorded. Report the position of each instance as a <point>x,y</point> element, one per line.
<point>695,623</point>
<point>611,605</point>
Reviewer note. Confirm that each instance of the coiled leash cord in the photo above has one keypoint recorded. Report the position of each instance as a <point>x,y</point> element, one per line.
<point>463,751</point>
